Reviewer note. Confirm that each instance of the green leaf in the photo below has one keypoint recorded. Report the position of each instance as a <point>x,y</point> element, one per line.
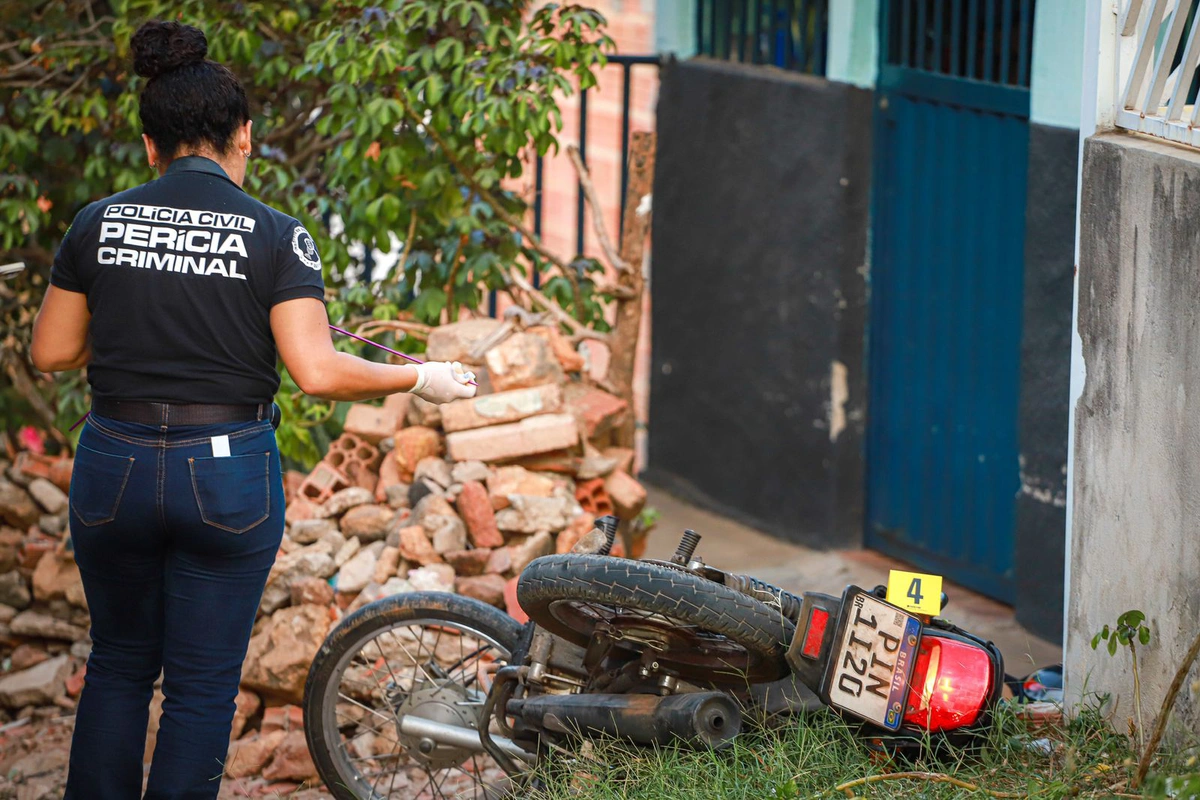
<point>1112,646</point>
<point>1144,635</point>
<point>1131,619</point>
<point>434,89</point>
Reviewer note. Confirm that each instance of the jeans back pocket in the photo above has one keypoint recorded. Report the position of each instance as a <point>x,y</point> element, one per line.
<point>233,492</point>
<point>97,484</point>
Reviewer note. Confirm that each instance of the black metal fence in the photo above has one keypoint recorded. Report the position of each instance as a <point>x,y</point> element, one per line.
<point>789,34</point>
<point>627,64</point>
<point>983,40</point>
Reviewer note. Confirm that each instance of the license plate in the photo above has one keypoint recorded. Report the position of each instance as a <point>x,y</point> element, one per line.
<point>873,659</point>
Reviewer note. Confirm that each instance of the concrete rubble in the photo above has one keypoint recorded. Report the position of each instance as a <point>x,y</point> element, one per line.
<point>412,497</point>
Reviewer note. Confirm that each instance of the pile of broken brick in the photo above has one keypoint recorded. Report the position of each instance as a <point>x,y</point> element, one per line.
<point>412,496</point>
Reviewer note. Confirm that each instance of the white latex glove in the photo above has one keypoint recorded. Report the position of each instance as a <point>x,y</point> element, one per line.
<point>441,381</point>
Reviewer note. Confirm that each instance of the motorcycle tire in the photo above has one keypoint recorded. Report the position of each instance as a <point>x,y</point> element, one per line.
<point>438,612</point>
<point>561,592</point>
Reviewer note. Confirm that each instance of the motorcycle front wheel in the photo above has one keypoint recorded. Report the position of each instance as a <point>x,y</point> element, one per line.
<point>389,673</point>
<point>698,629</point>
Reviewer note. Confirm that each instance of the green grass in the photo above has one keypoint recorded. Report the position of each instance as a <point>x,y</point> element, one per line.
<point>809,758</point>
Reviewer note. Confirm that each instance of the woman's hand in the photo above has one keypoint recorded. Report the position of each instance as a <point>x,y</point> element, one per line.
<point>442,381</point>
<point>301,330</point>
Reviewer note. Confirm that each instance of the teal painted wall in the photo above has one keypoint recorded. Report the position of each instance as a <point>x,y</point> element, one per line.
<point>853,42</point>
<point>675,27</point>
<point>1057,76</point>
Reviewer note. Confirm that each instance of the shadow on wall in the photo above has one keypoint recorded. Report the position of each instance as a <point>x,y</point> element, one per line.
<point>761,209</point>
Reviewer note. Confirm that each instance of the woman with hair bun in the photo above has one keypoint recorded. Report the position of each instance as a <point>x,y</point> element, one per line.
<point>179,295</point>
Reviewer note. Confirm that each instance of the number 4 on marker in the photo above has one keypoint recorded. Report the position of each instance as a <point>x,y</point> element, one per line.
<point>915,591</point>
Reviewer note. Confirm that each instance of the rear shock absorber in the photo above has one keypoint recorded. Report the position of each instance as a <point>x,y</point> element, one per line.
<point>608,524</point>
<point>789,604</point>
<point>686,548</point>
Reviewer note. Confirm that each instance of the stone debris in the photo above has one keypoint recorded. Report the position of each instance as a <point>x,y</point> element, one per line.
<point>411,497</point>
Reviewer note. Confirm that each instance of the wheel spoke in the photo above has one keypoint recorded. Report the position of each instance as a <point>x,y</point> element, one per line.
<point>445,662</point>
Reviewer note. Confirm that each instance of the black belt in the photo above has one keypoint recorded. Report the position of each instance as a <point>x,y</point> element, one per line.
<point>147,413</point>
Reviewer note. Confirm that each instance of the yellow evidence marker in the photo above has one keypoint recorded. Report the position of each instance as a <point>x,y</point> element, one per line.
<point>915,592</point>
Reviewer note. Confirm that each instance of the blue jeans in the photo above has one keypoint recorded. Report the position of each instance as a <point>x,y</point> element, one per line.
<point>174,546</point>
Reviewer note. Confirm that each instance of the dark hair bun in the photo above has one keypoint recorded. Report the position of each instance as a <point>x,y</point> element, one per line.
<point>160,47</point>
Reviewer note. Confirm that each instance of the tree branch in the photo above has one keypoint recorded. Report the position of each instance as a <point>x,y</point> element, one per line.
<point>296,123</point>
<point>931,777</point>
<point>406,245</point>
<point>316,146</point>
<point>451,306</point>
<point>554,308</point>
<point>589,192</point>
<point>1160,726</point>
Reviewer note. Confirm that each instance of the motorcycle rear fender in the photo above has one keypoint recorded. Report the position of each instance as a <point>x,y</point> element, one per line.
<point>808,669</point>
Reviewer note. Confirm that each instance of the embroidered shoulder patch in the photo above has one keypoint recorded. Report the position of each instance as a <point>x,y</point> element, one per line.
<point>305,248</point>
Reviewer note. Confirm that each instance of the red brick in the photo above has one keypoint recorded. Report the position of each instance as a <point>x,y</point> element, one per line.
<point>355,458</point>
<point>370,423</point>
<point>453,342</point>
<point>292,481</point>
<point>510,602</point>
<point>532,436</point>
<point>36,546</point>
<point>413,444</point>
<point>468,563</point>
<point>521,361</point>
<point>564,462</point>
<point>397,404</point>
<point>301,509</point>
<point>33,465</point>
<point>486,588</point>
<point>60,473</point>
<point>501,407</point>
<point>309,589</point>
<point>416,547</point>
<point>579,527</point>
<point>499,562</point>
<point>475,507</point>
<point>389,475</point>
<point>628,496</point>
<point>594,498</point>
<point>516,479</point>
<point>597,410</point>
<point>623,457</point>
<point>567,358</point>
<point>274,719</point>
<point>322,483</point>
<point>292,760</point>
<point>76,681</point>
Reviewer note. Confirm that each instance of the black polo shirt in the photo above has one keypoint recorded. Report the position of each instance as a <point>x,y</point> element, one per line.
<point>180,275</point>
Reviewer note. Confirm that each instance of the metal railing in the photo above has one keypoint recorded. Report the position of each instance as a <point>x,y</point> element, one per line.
<point>1157,54</point>
<point>627,65</point>
<point>790,34</point>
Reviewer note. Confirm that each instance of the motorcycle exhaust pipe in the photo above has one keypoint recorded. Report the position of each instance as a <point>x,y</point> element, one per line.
<point>701,719</point>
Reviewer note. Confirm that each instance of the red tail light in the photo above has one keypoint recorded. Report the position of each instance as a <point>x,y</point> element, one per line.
<point>950,685</point>
<point>818,619</point>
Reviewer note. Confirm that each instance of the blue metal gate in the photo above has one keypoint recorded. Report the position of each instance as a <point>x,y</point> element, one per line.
<point>947,263</point>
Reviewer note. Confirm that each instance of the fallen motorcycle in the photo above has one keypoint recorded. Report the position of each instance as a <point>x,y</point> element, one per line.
<point>431,695</point>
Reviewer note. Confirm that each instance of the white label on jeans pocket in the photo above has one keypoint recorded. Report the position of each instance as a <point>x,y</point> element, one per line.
<point>220,446</point>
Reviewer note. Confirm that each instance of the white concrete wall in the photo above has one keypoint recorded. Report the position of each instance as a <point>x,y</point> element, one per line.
<point>1135,527</point>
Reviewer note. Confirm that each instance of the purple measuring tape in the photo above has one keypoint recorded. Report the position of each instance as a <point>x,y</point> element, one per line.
<point>342,331</point>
